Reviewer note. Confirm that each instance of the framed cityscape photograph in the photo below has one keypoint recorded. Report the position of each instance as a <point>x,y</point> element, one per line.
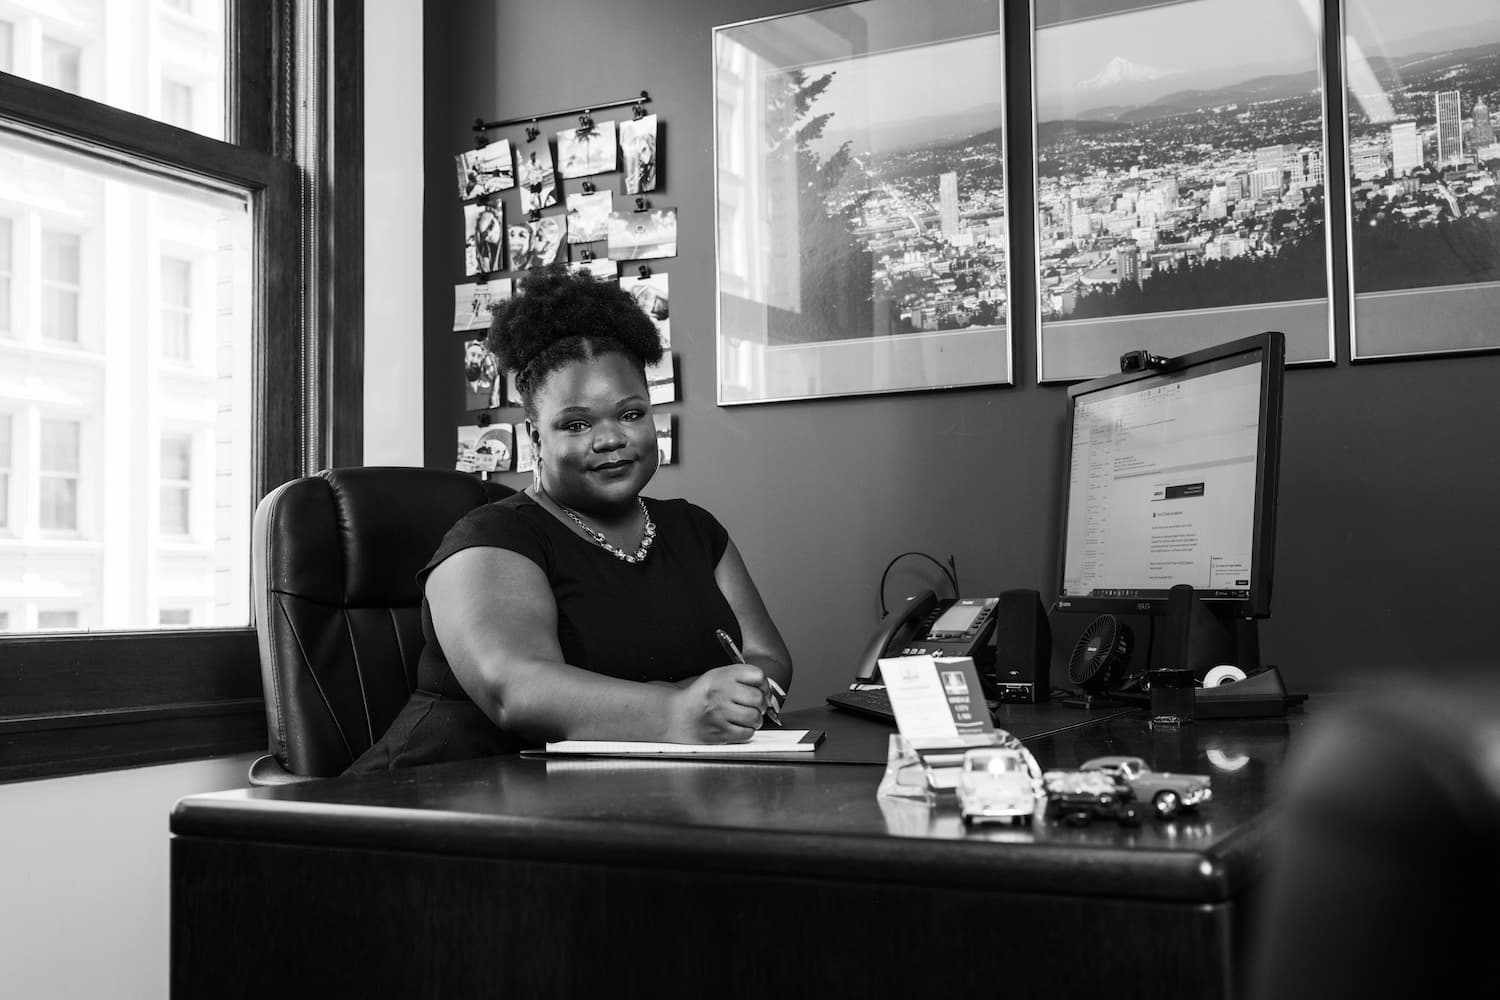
<point>1422,85</point>
<point>861,201</point>
<point>1180,151</point>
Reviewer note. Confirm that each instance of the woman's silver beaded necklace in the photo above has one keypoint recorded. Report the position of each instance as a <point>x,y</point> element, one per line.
<point>646,538</point>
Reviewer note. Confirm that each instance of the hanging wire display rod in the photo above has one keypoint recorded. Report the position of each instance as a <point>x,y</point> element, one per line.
<point>480,125</point>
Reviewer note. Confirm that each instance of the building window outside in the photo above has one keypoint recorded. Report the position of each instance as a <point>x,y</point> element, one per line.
<point>57,478</point>
<point>62,65</point>
<point>76,47</point>
<point>6,422</point>
<point>114,197</point>
<point>176,484</point>
<point>176,309</point>
<point>56,620</point>
<point>7,275</point>
<point>61,271</point>
<point>177,104</point>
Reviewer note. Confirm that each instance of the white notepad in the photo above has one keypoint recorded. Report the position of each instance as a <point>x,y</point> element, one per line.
<point>763,741</point>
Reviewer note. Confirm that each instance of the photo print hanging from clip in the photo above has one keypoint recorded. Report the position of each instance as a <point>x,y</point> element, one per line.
<point>664,447</point>
<point>588,149</point>
<point>483,386</point>
<point>588,216</point>
<point>484,230</point>
<point>474,302</point>
<point>638,148</point>
<point>642,234</point>
<point>650,293</point>
<point>536,243</point>
<point>536,177</point>
<point>601,268</point>
<point>486,170</point>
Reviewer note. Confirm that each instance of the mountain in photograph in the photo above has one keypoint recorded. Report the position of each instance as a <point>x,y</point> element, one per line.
<point>1389,70</point>
<point>1120,71</point>
<point>1260,88</point>
<point>1448,39</point>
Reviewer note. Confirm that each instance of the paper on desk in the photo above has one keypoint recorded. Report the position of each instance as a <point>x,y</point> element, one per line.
<point>763,741</point>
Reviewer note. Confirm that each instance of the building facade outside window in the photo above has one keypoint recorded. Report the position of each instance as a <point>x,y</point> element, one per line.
<point>161,354</point>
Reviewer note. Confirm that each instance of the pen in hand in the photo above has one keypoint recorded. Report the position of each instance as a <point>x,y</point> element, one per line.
<point>774,702</point>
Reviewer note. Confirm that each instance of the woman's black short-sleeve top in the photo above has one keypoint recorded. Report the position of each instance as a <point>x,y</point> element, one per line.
<point>646,621</point>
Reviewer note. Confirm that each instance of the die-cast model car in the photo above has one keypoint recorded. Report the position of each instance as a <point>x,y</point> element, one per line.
<point>998,785</point>
<point>1080,797</point>
<point>1168,793</point>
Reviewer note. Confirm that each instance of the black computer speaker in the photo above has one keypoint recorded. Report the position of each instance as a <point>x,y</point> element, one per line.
<point>1023,648</point>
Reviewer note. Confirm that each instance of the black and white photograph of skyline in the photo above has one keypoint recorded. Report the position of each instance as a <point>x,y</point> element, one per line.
<point>1180,160</point>
<point>1424,158</point>
<point>901,191</point>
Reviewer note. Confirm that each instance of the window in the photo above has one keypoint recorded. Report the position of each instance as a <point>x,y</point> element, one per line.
<point>143,652</point>
<point>58,476</point>
<point>177,104</point>
<point>176,309</point>
<point>5,452</point>
<point>4,621</point>
<point>176,485</point>
<point>156,58</point>
<point>62,65</point>
<point>60,274</point>
<point>55,620</point>
<point>7,267</point>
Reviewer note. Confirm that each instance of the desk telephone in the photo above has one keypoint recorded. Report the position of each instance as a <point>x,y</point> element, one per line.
<point>923,624</point>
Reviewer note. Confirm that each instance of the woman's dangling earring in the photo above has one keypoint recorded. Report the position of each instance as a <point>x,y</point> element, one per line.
<point>536,477</point>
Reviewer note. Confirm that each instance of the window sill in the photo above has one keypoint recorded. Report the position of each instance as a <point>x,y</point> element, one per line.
<point>87,742</point>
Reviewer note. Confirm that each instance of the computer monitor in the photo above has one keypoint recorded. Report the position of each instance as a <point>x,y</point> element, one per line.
<point>1171,479</point>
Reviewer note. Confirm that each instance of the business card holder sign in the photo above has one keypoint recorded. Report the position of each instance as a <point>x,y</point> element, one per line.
<point>929,772</point>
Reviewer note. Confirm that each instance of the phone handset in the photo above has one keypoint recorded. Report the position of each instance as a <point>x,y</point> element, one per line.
<point>897,629</point>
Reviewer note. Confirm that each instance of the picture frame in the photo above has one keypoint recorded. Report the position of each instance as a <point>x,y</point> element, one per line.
<point>1423,208</point>
<point>1181,197</point>
<point>861,201</point>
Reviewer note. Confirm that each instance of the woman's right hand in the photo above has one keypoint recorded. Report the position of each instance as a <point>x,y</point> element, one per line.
<point>722,705</point>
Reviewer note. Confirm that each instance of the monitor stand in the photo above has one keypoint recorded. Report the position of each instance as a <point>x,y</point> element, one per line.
<point>1200,637</point>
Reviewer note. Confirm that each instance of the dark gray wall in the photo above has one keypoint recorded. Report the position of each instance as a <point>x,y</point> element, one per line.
<point>1387,541</point>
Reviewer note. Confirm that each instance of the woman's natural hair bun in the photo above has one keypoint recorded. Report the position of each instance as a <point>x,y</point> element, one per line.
<point>558,315</point>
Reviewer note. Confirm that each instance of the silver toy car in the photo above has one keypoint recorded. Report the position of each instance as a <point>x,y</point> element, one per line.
<point>1168,793</point>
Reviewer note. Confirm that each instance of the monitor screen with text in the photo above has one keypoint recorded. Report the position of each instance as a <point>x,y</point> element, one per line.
<point>1166,483</point>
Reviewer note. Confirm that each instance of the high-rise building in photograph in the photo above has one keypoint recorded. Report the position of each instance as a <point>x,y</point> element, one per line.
<point>1406,148</point>
<point>1450,147</point>
<point>1128,265</point>
<point>948,203</point>
<point>1483,133</point>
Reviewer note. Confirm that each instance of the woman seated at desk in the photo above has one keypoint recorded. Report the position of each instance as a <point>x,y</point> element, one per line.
<point>578,609</point>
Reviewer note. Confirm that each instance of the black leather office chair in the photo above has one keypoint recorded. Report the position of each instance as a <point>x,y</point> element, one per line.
<point>1384,861</point>
<point>334,558</point>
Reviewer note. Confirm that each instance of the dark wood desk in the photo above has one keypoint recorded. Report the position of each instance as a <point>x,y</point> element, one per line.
<point>534,877</point>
